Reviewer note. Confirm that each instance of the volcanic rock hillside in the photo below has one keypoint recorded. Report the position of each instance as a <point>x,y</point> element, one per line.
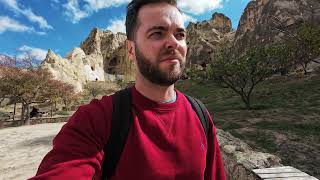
<point>266,21</point>
<point>204,38</point>
<point>101,57</point>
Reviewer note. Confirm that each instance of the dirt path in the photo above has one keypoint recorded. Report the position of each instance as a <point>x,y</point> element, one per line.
<point>22,149</point>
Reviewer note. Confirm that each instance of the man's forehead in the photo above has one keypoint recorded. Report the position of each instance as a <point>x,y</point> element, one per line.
<point>160,14</point>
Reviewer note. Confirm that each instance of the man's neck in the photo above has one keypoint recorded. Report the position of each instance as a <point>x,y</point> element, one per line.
<point>153,91</point>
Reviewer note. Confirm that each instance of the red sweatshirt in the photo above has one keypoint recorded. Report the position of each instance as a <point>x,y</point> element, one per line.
<point>165,142</point>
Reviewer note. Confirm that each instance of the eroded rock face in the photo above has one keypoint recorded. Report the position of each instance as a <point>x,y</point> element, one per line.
<point>221,22</point>
<point>240,159</point>
<point>76,69</point>
<point>204,38</point>
<point>110,46</point>
<point>101,57</point>
<point>265,21</point>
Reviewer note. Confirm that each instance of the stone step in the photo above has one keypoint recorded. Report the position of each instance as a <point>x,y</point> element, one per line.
<point>282,173</point>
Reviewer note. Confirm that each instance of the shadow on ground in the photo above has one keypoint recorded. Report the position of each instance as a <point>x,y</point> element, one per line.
<point>38,141</point>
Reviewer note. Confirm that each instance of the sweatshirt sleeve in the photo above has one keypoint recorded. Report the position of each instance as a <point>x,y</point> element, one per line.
<point>215,167</point>
<point>77,151</point>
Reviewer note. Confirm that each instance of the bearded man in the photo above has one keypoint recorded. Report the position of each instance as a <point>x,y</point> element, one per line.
<point>166,140</point>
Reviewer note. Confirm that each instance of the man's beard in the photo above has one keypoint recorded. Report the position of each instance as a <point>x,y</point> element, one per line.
<point>154,74</point>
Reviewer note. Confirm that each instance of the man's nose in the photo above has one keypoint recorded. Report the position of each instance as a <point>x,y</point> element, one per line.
<point>172,42</point>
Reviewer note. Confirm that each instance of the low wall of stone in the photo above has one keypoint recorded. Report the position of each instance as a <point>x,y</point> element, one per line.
<point>240,159</point>
<point>41,120</point>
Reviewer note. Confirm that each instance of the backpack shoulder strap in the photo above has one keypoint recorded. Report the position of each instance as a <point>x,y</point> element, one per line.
<point>121,122</point>
<point>201,111</point>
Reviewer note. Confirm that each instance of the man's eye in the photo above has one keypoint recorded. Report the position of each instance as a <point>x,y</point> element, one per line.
<point>181,36</point>
<point>156,34</point>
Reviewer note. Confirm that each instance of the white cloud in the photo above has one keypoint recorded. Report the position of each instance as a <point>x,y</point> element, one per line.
<point>117,25</point>
<point>95,5</point>
<point>28,13</point>
<point>41,33</point>
<point>36,19</point>
<point>37,53</point>
<point>8,24</point>
<point>200,6</point>
<point>55,4</point>
<point>187,18</point>
<point>73,11</point>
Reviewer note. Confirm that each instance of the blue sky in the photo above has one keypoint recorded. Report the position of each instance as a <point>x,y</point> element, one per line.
<point>34,26</point>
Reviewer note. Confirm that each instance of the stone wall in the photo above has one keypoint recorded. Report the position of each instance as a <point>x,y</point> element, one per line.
<point>16,123</point>
<point>240,159</point>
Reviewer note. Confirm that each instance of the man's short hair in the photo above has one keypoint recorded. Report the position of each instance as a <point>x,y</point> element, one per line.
<point>132,14</point>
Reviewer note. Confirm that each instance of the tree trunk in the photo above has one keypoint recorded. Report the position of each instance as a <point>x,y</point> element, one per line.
<point>27,120</point>
<point>51,110</point>
<point>1,99</point>
<point>65,105</point>
<point>22,112</point>
<point>246,100</point>
<point>14,110</point>
<point>305,68</point>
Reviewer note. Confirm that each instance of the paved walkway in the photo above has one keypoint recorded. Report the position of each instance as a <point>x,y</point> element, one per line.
<point>22,149</point>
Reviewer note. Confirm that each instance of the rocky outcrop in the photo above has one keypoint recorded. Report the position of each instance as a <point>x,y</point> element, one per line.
<point>101,57</point>
<point>110,46</point>
<point>204,38</point>
<point>240,159</point>
<point>265,21</point>
<point>76,71</point>
<point>221,22</point>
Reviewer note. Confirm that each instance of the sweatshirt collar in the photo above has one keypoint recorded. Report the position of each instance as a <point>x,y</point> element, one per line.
<point>140,100</point>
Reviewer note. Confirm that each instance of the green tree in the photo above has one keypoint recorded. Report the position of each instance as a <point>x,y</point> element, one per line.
<point>95,88</point>
<point>306,44</point>
<point>301,45</point>
<point>281,55</point>
<point>242,73</point>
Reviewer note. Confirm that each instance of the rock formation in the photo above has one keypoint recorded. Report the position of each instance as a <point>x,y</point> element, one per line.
<point>240,159</point>
<point>110,46</point>
<point>101,57</point>
<point>204,38</point>
<point>266,21</point>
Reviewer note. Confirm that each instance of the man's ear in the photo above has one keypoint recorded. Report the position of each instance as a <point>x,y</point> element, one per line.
<point>131,50</point>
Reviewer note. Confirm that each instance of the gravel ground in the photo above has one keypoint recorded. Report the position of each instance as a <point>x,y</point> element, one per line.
<point>22,149</point>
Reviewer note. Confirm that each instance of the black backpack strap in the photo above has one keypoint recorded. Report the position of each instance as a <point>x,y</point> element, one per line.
<point>201,111</point>
<point>121,122</point>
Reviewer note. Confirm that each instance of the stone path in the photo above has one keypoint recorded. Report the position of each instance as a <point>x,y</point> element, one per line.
<point>22,149</point>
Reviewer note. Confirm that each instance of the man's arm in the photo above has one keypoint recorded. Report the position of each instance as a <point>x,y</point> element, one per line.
<point>215,167</point>
<point>78,148</point>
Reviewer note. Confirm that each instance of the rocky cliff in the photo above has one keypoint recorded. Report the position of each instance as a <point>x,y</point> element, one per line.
<point>266,21</point>
<point>204,38</point>
<point>101,57</point>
